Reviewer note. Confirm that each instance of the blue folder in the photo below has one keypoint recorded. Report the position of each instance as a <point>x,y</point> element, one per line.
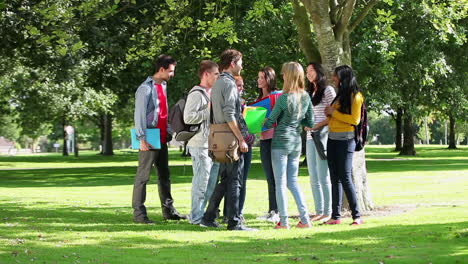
<point>152,137</point>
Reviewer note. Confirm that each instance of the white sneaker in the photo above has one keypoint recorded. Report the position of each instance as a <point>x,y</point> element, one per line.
<point>274,217</point>
<point>264,217</point>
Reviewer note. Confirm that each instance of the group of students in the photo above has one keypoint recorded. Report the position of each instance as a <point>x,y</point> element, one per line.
<point>328,118</point>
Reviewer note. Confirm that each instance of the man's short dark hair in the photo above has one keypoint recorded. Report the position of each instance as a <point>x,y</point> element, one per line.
<point>228,56</point>
<point>163,61</point>
<point>206,65</point>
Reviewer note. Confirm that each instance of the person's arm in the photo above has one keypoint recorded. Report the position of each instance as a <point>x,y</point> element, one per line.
<point>230,95</point>
<point>141,101</point>
<point>276,112</point>
<point>229,111</point>
<point>194,112</point>
<point>355,115</point>
<point>308,120</point>
<point>235,129</point>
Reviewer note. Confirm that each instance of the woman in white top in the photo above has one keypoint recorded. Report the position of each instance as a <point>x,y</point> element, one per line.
<point>321,95</point>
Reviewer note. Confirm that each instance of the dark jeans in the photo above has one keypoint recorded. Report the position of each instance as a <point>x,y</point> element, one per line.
<point>146,160</point>
<point>245,174</point>
<point>265,157</point>
<point>340,164</point>
<point>229,185</point>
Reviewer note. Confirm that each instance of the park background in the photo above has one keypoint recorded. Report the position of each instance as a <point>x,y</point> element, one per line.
<point>78,63</point>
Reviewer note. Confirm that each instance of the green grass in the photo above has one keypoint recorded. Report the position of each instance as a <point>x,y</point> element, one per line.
<point>77,210</point>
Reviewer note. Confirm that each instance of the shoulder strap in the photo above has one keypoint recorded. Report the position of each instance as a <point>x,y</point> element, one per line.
<point>202,92</point>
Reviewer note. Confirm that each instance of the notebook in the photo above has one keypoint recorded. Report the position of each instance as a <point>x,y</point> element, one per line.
<point>152,137</point>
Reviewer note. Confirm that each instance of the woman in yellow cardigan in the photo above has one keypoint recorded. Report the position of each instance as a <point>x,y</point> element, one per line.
<point>343,115</point>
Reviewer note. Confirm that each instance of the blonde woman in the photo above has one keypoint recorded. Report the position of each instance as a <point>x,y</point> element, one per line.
<point>292,109</point>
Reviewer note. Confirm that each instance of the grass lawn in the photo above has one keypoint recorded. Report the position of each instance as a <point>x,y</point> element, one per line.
<point>56,209</point>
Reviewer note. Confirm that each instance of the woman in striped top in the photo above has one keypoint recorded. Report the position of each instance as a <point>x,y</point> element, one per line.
<point>292,109</point>
<point>343,115</point>
<point>322,95</point>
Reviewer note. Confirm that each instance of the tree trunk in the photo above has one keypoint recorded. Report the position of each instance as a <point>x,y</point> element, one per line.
<point>64,149</point>
<point>75,143</point>
<point>452,143</point>
<point>426,127</point>
<point>107,148</point>
<point>398,136</point>
<point>364,198</point>
<point>333,42</point>
<point>101,132</point>
<point>408,135</point>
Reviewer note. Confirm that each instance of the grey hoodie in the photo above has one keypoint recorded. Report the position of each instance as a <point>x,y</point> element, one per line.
<point>196,111</point>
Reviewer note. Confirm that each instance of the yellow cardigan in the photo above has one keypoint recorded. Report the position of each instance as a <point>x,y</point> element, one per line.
<point>339,122</point>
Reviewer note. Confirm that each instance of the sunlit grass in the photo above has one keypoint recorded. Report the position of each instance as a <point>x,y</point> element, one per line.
<point>80,212</point>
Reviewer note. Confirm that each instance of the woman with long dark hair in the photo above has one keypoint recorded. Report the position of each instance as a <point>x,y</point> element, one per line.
<point>266,83</point>
<point>343,115</point>
<point>322,96</point>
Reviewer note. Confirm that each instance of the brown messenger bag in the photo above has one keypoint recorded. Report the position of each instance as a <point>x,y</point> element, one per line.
<point>223,146</point>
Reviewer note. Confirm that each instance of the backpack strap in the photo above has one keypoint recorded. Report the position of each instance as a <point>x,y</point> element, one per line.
<point>200,91</point>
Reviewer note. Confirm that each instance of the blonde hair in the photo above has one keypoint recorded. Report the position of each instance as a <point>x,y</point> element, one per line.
<point>294,83</point>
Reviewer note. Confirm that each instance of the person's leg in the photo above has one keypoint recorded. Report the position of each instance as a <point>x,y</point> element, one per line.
<point>292,171</point>
<point>145,162</point>
<point>311,155</point>
<point>164,183</point>
<point>201,165</point>
<point>324,176</point>
<point>265,156</point>
<point>346,177</point>
<point>279,160</point>
<point>234,177</point>
<point>218,194</point>
<point>212,181</point>
<point>333,158</point>
<point>245,174</point>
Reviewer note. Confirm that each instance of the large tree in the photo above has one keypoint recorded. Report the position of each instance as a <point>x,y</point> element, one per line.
<point>324,29</point>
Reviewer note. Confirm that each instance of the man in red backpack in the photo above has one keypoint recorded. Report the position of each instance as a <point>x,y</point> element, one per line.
<point>151,111</point>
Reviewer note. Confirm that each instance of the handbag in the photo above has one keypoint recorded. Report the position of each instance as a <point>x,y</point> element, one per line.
<point>318,137</point>
<point>223,146</point>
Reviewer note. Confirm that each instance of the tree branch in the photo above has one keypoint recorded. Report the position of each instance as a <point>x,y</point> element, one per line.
<point>362,15</point>
<point>301,19</point>
<point>345,17</point>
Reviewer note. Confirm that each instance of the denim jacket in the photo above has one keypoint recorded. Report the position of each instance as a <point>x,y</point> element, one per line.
<point>147,108</point>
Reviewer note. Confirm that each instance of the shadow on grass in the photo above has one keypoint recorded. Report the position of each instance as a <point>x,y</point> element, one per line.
<point>79,177</point>
<point>417,165</point>
<point>120,241</point>
<point>83,158</point>
<point>112,176</point>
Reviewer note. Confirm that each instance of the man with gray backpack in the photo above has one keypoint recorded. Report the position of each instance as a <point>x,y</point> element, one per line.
<point>196,114</point>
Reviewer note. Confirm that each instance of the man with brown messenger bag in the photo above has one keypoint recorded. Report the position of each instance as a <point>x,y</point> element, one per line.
<point>226,109</point>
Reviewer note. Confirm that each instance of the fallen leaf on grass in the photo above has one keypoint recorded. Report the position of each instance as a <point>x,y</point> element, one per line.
<point>15,253</point>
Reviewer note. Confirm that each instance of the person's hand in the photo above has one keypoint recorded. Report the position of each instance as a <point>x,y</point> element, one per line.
<point>144,146</point>
<point>307,129</point>
<point>243,146</point>
<point>329,110</point>
<point>168,137</point>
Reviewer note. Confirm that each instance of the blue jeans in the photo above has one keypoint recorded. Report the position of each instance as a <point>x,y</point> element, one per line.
<point>340,163</point>
<point>229,185</point>
<point>201,189</point>
<point>319,179</point>
<point>265,157</point>
<point>286,169</point>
